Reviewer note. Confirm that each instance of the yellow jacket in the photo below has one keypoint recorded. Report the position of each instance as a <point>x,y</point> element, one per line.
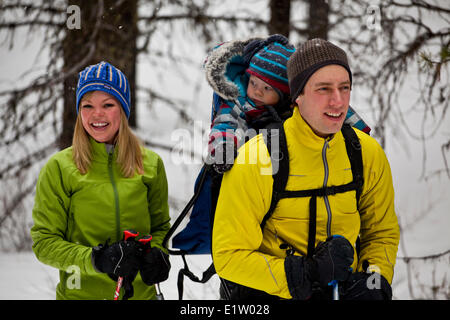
<point>242,253</point>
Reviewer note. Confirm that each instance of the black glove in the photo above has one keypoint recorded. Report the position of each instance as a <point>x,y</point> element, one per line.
<point>331,261</point>
<point>155,266</point>
<point>299,276</point>
<point>120,259</point>
<point>366,286</point>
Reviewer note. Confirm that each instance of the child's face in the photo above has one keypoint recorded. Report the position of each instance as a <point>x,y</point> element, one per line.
<point>261,93</point>
<point>100,115</point>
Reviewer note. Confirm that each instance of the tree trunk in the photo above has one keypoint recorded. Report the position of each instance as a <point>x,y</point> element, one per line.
<point>280,12</point>
<point>318,19</point>
<point>111,31</point>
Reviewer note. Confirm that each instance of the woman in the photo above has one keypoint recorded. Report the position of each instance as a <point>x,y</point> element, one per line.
<point>91,192</point>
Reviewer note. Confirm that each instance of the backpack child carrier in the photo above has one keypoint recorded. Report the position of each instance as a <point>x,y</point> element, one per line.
<point>224,69</point>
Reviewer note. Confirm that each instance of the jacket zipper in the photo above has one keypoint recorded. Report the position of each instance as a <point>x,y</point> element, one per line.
<point>116,194</point>
<point>325,181</point>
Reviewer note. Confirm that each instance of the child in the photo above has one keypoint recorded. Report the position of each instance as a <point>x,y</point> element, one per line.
<point>249,79</point>
<point>250,82</point>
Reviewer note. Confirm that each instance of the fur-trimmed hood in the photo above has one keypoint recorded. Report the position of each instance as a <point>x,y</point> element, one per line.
<point>218,72</point>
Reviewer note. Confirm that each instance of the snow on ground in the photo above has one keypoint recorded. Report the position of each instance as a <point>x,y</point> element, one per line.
<point>23,277</point>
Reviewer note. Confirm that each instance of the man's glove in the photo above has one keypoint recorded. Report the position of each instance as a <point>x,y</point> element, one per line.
<point>366,286</point>
<point>120,259</point>
<point>331,261</point>
<point>155,266</point>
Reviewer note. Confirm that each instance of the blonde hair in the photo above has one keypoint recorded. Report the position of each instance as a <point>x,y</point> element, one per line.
<point>129,155</point>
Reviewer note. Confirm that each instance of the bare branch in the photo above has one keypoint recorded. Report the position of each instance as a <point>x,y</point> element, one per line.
<point>429,257</point>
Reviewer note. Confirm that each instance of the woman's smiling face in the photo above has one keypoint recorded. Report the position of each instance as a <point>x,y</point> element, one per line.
<point>100,115</point>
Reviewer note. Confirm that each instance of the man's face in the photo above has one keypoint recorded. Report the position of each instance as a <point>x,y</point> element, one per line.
<point>325,100</point>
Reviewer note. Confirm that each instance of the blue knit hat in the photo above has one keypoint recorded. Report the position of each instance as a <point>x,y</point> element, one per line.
<point>268,59</point>
<point>103,76</point>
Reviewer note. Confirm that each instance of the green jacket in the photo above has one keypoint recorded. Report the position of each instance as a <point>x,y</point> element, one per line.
<point>74,212</point>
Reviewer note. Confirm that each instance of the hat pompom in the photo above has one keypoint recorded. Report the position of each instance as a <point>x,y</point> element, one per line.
<point>252,48</point>
<point>277,38</point>
<point>256,45</point>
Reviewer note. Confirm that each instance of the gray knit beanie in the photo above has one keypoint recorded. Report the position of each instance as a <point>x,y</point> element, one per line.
<point>308,58</point>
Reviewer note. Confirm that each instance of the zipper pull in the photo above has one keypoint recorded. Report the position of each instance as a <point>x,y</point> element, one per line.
<point>289,249</point>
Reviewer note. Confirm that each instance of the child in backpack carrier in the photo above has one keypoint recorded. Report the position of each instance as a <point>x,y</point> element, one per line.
<point>249,79</point>
<point>251,89</point>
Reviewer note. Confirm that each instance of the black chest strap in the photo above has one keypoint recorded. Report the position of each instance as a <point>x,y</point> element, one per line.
<point>280,165</point>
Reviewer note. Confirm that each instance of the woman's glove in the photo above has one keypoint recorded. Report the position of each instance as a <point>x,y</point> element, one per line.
<point>120,259</point>
<point>154,267</point>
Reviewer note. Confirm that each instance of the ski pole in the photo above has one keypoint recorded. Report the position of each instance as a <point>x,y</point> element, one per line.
<point>145,241</point>
<point>334,283</point>
<point>335,286</point>
<point>127,235</point>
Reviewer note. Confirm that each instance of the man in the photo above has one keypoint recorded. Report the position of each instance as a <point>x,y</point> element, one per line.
<point>275,259</point>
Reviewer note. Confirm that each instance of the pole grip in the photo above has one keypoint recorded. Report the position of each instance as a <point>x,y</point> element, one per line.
<point>129,234</point>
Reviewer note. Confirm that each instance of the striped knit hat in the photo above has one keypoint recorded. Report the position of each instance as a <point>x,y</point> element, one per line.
<point>309,57</point>
<point>103,76</point>
<point>268,59</point>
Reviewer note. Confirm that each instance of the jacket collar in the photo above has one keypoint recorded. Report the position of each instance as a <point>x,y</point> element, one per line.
<point>100,151</point>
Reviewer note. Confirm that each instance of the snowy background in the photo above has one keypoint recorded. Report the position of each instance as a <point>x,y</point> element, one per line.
<point>422,204</point>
